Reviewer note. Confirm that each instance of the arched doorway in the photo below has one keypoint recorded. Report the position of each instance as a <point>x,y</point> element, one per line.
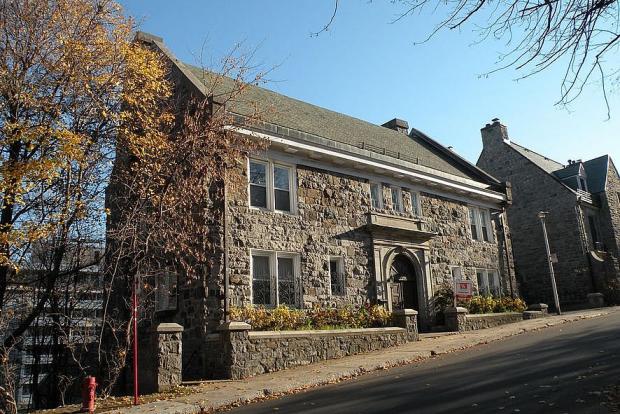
<point>404,285</point>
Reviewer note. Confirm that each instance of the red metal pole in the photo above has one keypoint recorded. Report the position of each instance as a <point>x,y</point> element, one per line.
<point>134,312</point>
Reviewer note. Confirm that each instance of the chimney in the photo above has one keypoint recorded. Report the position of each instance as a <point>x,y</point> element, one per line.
<point>398,125</point>
<point>494,133</point>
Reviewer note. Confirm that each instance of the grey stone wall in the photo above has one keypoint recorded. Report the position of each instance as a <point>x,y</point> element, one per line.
<point>607,280</point>
<point>534,190</point>
<point>254,353</point>
<point>458,320</point>
<point>160,361</point>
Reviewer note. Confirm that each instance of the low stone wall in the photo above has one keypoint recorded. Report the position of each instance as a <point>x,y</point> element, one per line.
<point>243,353</point>
<point>458,319</point>
<point>489,320</point>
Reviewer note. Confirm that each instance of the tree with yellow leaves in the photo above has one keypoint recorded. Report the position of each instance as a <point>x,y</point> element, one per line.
<point>71,82</point>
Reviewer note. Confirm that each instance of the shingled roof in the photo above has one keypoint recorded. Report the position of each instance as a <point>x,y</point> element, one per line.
<point>595,169</point>
<point>291,113</point>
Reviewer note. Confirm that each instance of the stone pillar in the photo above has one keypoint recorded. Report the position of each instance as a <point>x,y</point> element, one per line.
<point>408,319</point>
<point>541,307</point>
<point>456,319</point>
<point>235,338</point>
<point>168,364</point>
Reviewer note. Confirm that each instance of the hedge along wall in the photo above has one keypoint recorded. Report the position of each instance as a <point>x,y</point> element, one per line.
<point>244,353</point>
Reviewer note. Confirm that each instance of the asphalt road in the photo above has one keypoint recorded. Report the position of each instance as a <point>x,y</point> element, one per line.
<point>562,369</point>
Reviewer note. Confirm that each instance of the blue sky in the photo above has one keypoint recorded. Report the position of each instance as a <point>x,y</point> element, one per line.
<point>368,68</point>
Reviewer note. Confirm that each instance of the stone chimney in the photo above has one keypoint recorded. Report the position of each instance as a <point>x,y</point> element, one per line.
<point>494,133</point>
<point>398,125</point>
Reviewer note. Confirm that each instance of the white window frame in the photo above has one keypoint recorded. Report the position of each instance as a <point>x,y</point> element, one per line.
<point>273,273</point>
<point>459,271</point>
<point>380,199</point>
<point>399,198</point>
<point>478,213</point>
<point>341,274</point>
<point>487,276</point>
<point>270,184</point>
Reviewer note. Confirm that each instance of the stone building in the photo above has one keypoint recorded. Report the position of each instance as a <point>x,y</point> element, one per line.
<point>582,199</point>
<point>341,212</point>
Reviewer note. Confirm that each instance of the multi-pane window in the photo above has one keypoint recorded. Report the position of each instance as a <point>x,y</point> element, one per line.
<point>336,276</point>
<point>282,188</point>
<point>488,282</point>
<point>258,184</point>
<point>415,204</point>
<point>480,224</point>
<point>275,279</point>
<point>261,280</point>
<point>397,199</point>
<point>166,288</point>
<point>376,195</point>
<point>271,186</point>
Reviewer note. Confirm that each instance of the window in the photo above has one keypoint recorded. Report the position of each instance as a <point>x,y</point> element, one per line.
<point>397,199</point>
<point>261,280</point>
<point>275,279</point>
<point>488,282</point>
<point>336,276</point>
<point>415,204</point>
<point>456,273</point>
<point>582,184</point>
<point>480,224</point>
<point>166,288</point>
<point>376,196</point>
<point>271,186</point>
<point>258,184</point>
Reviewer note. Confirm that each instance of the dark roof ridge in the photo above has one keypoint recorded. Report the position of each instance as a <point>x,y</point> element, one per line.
<point>453,155</point>
<point>537,153</point>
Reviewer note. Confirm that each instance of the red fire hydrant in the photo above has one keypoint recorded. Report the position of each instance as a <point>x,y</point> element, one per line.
<point>89,385</point>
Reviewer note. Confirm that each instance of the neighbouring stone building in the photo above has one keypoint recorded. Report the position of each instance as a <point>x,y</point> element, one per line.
<point>582,199</point>
<point>341,212</point>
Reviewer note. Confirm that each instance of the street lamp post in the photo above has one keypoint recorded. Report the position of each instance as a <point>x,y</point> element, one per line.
<point>556,299</point>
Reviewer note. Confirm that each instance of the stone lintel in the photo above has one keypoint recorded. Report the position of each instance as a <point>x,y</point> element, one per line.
<point>405,312</point>
<point>168,328</point>
<point>457,309</point>
<point>234,326</point>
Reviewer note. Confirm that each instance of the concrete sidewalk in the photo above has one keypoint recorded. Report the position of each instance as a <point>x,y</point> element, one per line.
<point>211,396</point>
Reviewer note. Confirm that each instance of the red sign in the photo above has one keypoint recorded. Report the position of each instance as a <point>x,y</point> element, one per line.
<point>463,289</point>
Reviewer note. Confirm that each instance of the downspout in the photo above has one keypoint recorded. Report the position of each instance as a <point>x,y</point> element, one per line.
<point>226,275</point>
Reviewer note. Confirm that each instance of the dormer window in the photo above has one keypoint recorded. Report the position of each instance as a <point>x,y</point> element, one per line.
<point>582,183</point>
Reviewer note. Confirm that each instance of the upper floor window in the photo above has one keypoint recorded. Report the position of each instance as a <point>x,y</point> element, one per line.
<point>582,183</point>
<point>376,196</point>
<point>271,186</point>
<point>480,224</point>
<point>275,279</point>
<point>397,199</point>
<point>336,276</point>
<point>415,204</point>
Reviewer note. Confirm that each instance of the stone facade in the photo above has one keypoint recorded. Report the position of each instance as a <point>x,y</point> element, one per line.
<point>536,189</point>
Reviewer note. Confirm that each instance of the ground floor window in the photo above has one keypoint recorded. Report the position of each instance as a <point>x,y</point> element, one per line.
<point>488,282</point>
<point>336,276</point>
<point>275,278</point>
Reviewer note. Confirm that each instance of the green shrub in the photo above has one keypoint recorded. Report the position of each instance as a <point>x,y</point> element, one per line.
<point>285,318</point>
